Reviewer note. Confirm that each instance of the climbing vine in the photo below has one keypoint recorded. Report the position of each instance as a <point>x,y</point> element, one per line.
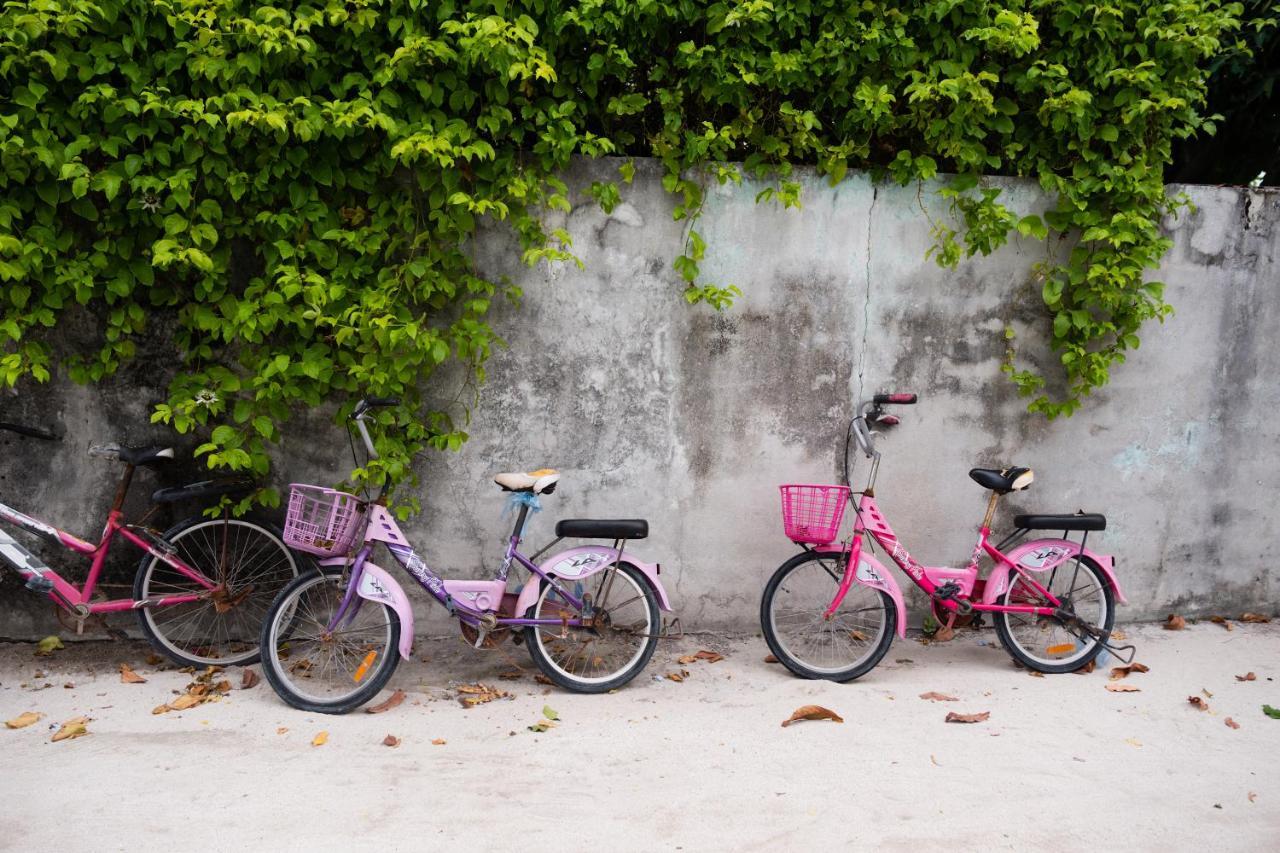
<point>291,189</point>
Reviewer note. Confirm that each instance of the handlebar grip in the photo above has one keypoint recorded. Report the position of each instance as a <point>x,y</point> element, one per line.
<point>34,432</point>
<point>900,399</point>
<point>373,402</point>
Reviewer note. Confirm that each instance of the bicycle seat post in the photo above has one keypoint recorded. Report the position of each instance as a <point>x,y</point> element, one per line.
<point>123,490</point>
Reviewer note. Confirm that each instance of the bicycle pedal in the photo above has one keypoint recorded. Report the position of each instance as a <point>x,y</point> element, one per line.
<point>36,583</point>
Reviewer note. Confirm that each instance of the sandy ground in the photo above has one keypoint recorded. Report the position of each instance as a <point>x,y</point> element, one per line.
<point>1061,763</point>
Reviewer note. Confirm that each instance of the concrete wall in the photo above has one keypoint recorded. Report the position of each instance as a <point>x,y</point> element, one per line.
<point>691,418</point>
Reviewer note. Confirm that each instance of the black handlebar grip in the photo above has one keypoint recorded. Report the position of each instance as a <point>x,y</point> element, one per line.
<point>34,432</point>
<point>900,399</point>
<point>373,402</point>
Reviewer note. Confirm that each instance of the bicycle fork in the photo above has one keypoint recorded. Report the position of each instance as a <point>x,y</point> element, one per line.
<point>846,580</point>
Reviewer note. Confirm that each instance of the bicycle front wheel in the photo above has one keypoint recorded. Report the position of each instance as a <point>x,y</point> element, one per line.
<point>328,672</point>
<point>842,648</point>
<point>249,563</point>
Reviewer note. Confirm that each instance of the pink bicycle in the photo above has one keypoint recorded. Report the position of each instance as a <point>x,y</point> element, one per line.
<point>202,587</point>
<point>831,611</point>
<point>332,639</point>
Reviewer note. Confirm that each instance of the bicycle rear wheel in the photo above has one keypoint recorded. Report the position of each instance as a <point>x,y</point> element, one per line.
<point>1047,644</point>
<point>842,648</point>
<point>249,562</point>
<point>610,652</point>
<point>327,672</point>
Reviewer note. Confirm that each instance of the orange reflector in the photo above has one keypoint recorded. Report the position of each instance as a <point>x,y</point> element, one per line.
<point>1053,650</point>
<point>364,666</point>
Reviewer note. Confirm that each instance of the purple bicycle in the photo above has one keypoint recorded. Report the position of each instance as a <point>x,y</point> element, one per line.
<point>332,639</point>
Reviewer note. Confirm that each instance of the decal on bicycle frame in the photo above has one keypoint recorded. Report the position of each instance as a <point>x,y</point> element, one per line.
<point>414,565</point>
<point>1040,557</point>
<point>572,567</point>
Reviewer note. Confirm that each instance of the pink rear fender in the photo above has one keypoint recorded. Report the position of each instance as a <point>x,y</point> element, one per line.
<point>578,563</point>
<point>1041,555</point>
<point>871,573</point>
<point>377,585</point>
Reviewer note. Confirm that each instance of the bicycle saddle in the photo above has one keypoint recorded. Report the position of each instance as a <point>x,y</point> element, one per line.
<point>1002,482</point>
<point>154,455</point>
<point>540,482</point>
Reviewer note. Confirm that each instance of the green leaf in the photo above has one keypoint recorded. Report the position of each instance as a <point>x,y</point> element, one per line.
<point>1273,713</point>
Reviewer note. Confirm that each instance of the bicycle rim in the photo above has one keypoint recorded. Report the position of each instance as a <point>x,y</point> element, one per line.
<point>253,564</point>
<point>600,654</point>
<point>322,667</point>
<point>826,646</point>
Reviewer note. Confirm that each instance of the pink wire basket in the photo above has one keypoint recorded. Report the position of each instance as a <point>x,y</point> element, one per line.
<point>321,521</point>
<point>812,513</point>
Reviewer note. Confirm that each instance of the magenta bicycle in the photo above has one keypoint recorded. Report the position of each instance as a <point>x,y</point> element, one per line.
<point>202,587</point>
<point>831,611</point>
<point>332,639</point>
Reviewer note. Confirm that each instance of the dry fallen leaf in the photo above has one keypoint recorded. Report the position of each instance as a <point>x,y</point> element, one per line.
<point>1197,702</point>
<point>935,761</point>
<point>686,659</point>
<point>980,717</point>
<point>478,694</point>
<point>855,634</point>
<point>1252,796</point>
<point>128,676</point>
<point>282,730</point>
<point>391,740</point>
<point>709,657</point>
<point>1117,634</point>
<point>1248,676</point>
<point>23,720</point>
<point>510,674</point>
<point>72,729</point>
<point>1174,622</point>
<point>943,634</point>
<point>1255,617</point>
<point>1122,687</point>
<point>678,676</point>
<point>1118,672</point>
<point>154,660</point>
<point>392,701</point>
<point>938,697</point>
<point>249,679</point>
<point>1231,723</point>
<point>1221,620</point>
<point>320,739</point>
<point>1035,673</point>
<point>812,712</point>
<point>541,679</point>
<point>1133,741</point>
<point>770,659</point>
<point>439,742</point>
<point>1088,668</point>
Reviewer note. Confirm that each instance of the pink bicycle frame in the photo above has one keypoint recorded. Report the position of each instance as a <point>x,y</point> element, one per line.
<point>864,569</point>
<point>40,577</point>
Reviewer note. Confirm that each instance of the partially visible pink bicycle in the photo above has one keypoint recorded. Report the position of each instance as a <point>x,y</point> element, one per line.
<point>203,586</point>
<point>831,611</point>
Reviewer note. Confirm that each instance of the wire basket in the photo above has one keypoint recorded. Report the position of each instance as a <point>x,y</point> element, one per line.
<point>812,513</point>
<point>321,521</point>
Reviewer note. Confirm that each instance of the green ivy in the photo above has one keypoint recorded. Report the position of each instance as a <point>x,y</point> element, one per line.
<point>292,188</point>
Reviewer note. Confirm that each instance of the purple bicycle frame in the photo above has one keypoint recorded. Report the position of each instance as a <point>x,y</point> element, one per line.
<point>381,527</point>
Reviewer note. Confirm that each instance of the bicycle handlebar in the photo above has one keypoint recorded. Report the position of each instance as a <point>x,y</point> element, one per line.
<point>898,399</point>
<point>33,432</point>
